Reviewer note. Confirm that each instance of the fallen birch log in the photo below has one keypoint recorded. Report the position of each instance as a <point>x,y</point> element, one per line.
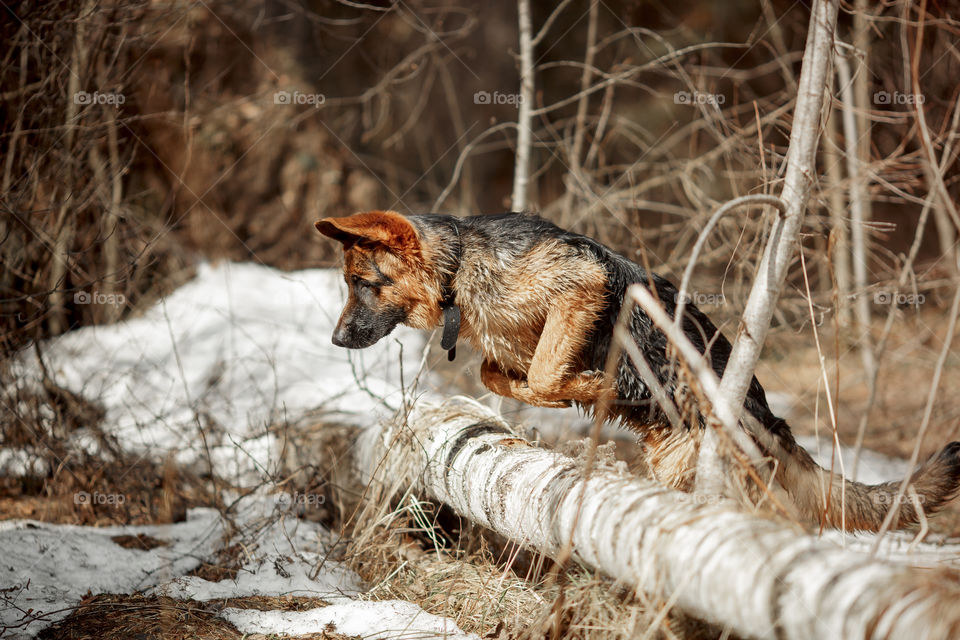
<point>758,577</point>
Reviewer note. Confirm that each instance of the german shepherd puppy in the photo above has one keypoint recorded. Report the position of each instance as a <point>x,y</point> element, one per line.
<point>540,304</point>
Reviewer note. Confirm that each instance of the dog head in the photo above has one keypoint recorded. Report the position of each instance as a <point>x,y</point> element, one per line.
<point>387,278</point>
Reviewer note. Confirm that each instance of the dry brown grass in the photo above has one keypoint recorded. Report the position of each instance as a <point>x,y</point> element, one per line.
<point>224,566</point>
<point>413,550</point>
<point>496,590</point>
<point>906,372</point>
<point>416,551</point>
<point>152,494</point>
<point>905,376</point>
<point>126,617</point>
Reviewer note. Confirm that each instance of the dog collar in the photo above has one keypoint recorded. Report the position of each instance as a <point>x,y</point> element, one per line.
<point>451,312</point>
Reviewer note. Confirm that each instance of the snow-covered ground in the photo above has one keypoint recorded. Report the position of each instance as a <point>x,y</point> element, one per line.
<point>239,348</point>
<point>50,567</point>
<point>201,376</point>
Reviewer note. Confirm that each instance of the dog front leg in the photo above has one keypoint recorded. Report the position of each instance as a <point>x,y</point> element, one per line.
<point>552,375</point>
<point>496,380</point>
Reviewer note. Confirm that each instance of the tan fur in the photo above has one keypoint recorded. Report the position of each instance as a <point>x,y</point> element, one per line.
<point>417,295</point>
<point>671,455</point>
<point>531,345</point>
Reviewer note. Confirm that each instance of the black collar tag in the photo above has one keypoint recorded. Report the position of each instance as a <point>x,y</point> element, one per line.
<point>451,312</point>
<point>451,330</point>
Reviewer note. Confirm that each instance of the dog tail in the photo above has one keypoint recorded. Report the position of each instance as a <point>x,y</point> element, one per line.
<point>822,496</point>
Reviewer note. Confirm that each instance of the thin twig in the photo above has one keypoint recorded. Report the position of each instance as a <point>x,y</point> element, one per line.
<point>521,169</point>
<point>861,250</point>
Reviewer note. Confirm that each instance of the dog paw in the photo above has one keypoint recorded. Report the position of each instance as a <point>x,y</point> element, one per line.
<point>494,379</point>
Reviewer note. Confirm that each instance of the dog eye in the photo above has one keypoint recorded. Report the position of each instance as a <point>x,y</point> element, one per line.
<point>363,284</point>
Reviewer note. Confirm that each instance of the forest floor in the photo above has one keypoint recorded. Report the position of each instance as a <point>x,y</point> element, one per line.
<point>223,418</point>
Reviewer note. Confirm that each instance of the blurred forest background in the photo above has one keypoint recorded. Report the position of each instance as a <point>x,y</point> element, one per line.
<point>139,138</point>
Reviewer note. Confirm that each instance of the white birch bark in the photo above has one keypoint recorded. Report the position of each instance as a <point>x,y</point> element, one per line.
<point>752,575</point>
<point>801,168</point>
<point>521,169</point>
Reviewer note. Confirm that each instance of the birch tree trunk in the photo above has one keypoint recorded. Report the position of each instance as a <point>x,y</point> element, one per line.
<point>801,168</point>
<point>751,575</point>
<point>521,169</point>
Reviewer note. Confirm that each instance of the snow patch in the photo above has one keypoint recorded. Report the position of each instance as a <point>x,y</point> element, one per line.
<point>48,568</point>
<point>205,372</point>
<point>873,468</point>
<point>282,559</point>
<point>393,619</point>
<point>201,376</point>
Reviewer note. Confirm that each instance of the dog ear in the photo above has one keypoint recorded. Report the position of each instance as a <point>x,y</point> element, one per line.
<point>387,228</point>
